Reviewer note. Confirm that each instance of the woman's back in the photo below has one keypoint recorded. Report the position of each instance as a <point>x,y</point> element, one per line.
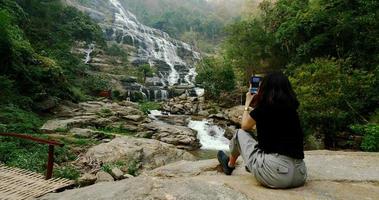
<point>279,130</point>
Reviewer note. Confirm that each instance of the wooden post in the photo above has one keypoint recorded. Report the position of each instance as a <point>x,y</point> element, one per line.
<point>50,163</point>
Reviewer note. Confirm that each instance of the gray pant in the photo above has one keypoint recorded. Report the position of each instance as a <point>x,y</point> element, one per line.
<point>271,170</point>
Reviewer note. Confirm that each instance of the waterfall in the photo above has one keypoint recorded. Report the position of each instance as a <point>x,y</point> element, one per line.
<point>88,52</point>
<point>190,77</point>
<point>152,44</point>
<point>164,95</point>
<point>173,59</point>
<point>155,95</point>
<point>143,94</point>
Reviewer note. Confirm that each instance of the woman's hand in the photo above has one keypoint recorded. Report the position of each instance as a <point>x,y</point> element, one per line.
<point>249,98</point>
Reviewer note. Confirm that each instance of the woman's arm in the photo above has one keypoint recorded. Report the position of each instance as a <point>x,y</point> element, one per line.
<point>247,121</point>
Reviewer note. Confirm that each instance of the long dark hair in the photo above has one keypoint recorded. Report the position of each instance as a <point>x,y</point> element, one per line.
<point>276,90</point>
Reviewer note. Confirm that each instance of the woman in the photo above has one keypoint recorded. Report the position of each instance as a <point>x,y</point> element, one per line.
<point>276,160</point>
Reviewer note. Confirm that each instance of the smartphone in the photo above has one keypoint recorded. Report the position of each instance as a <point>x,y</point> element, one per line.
<point>255,81</point>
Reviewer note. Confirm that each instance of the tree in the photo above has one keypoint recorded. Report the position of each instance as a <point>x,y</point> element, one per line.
<point>216,76</point>
<point>146,70</point>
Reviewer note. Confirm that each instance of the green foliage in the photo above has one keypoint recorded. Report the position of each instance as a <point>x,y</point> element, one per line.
<point>116,51</point>
<point>327,47</point>
<point>216,76</point>
<point>30,155</point>
<point>96,83</point>
<point>68,172</point>
<point>36,62</point>
<point>145,71</point>
<point>105,112</point>
<point>198,22</point>
<point>370,134</point>
<point>120,130</point>
<point>133,168</point>
<point>107,167</point>
<point>146,106</point>
<point>18,120</point>
<point>332,97</point>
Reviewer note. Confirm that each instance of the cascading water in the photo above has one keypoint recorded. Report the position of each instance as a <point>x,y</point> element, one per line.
<point>88,52</point>
<point>172,59</point>
<point>211,136</point>
<point>152,44</point>
<point>164,95</point>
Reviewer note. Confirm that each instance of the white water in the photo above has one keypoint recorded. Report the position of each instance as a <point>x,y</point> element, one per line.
<point>88,52</point>
<point>211,136</point>
<point>199,91</point>
<point>157,45</point>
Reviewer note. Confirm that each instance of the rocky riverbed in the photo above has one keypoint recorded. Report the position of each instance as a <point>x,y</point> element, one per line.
<point>140,156</point>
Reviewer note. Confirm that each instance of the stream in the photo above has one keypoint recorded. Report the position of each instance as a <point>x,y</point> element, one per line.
<point>211,136</point>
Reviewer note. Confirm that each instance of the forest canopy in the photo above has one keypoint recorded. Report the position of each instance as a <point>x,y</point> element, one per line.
<point>330,51</point>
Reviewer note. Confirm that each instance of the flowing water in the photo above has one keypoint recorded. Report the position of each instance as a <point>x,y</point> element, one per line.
<point>174,60</point>
<point>152,44</point>
<point>91,48</point>
<point>211,137</point>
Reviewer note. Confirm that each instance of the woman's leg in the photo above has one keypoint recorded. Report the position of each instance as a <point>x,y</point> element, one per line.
<point>245,145</point>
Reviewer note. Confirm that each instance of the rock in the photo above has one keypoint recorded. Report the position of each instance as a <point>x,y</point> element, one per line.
<point>230,131</point>
<point>203,113</point>
<point>86,133</point>
<point>102,176</point>
<point>180,136</point>
<point>152,188</point>
<point>149,153</point>
<point>87,179</point>
<point>135,118</point>
<point>128,111</point>
<point>65,124</point>
<point>183,97</point>
<point>95,113</point>
<point>181,120</point>
<point>186,168</point>
<point>331,175</point>
<point>130,127</point>
<point>129,104</point>
<point>47,104</point>
<point>117,173</point>
<point>235,114</point>
<point>128,176</point>
<point>145,134</point>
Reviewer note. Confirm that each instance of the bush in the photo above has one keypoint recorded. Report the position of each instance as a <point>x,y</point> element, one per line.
<point>216,76</point>
<point>370,133</point>
<point>66,172</point>
<point>332,97</point>
<point>14,119</point>
<point>146,106</point>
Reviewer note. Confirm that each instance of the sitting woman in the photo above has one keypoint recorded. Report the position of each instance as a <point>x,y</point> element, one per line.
<point>276,160</point>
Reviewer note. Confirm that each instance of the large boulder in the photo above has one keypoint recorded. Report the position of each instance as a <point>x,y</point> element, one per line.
<point>141,188</point>
<point>234,114</point>
<point>96,114</point>
<point>180,136</point>
<point>146,153</point>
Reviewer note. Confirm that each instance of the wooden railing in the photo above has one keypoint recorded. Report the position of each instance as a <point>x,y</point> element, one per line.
<point>50,160</point>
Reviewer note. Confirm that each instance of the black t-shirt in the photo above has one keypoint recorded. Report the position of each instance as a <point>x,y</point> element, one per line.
<point>279,130</point>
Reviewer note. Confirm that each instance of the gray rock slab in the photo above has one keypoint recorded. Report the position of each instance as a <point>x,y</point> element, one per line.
<point>148,188</point>
<point>333,175</point>
<point>342,166</point>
